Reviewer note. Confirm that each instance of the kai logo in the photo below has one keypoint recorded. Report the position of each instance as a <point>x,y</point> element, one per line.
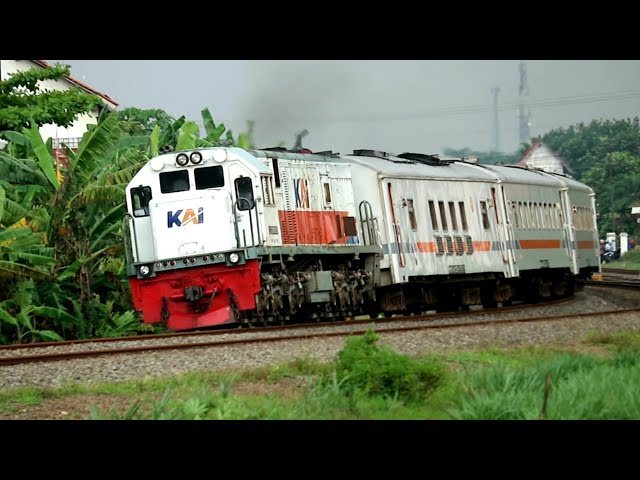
<point>189,217</point>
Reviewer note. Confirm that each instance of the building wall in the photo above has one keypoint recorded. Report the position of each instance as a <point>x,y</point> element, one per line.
<point>542,157</point>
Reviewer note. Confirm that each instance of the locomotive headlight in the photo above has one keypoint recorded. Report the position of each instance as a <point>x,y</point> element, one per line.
<point>182,159</point>
<point>144,270</point>
<point>234,257</point>
<point>196,158</point>
<point>219,155</point>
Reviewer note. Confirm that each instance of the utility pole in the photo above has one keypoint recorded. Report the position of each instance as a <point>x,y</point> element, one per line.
<point>495,144</point>
<point>523,110</point>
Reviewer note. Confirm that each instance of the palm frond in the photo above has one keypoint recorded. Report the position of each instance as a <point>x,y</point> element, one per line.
<point>124,175</point>
<point>154,141</point>
<point>10,234</point>
<point>45,160</point>
<point>188,135</point>
<point>98,193</point>
<point>16,137</point>
<point>34,259</point>
<point>11,269</point>
<point>95,144</point>
<point>20,164</point>
<point>7,317</point>
<point>56,314</point>
<point>110,219</point>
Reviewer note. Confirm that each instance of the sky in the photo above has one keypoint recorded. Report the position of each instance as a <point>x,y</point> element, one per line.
<point>396,106</point>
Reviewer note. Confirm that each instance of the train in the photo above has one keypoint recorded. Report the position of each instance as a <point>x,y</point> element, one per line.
<point>225,236</point>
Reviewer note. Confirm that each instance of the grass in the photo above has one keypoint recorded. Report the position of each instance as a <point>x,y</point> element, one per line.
<point>370,381</point>
<point>630,261</point>
<point>576,387</point>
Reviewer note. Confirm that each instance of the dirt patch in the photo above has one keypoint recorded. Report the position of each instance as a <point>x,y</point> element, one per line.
<point>73,407</point>
<point>283,387</point>
<point>77,407</point>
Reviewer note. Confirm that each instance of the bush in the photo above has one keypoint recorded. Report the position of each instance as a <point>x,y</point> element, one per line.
<point>365,367</point>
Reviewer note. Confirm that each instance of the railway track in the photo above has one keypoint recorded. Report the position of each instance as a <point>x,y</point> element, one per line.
<point>58,351</point>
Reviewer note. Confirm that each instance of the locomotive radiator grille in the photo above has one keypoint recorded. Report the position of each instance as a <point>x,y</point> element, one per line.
<point>288,225</point>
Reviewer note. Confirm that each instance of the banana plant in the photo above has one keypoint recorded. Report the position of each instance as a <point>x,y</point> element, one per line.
<point>22,313</point>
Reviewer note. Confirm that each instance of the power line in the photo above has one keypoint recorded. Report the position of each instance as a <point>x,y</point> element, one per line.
<point>466,110</point>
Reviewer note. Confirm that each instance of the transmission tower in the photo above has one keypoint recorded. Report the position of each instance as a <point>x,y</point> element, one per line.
<point>523,110</point>
<point>495,143</point>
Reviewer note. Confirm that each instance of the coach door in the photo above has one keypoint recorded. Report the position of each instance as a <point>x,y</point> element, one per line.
<point>504,232</point>
<point>568,228</point>
<point>393,233</point>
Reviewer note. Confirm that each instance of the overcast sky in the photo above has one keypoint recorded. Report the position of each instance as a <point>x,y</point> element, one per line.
<point>392,105</point>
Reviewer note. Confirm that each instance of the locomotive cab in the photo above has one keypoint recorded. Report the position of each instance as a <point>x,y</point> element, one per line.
<point>193,209</point>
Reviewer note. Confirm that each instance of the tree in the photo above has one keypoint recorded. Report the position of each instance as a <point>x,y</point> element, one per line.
<point>22,100</point>
<point>137,121</point>
<point>616,182</point>
<point>584,146</point>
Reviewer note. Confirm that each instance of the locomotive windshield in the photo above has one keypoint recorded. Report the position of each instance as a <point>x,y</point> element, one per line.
<point>171,182</point>
<point>209,177</point>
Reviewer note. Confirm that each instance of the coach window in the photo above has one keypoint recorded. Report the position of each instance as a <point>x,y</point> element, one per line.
<point>209,177</point>
<point>434,217</point>
<point>172,182</point>
<point>514,209</point>
<point>140,197</point>
<point>412,215</point>
<point>485,215</point>
<point>443,215</point>
<point>244,193</point>
<point>463,216</point>
<point>452,212</point>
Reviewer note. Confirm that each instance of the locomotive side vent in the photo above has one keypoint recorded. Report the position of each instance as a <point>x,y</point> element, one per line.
<point>469,244</point>
<point>439,245</point>
<point>449,241</point>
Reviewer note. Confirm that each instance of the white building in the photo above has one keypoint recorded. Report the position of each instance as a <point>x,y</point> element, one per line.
<point>541,156</point>
<point>69,135</point>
